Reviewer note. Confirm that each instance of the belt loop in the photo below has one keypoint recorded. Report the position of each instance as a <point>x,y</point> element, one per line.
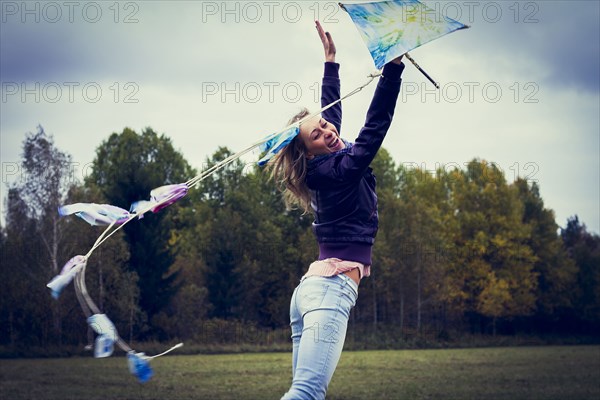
<point>349,281</point>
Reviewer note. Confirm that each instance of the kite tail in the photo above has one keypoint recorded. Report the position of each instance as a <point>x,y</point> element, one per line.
<point>139,362</point>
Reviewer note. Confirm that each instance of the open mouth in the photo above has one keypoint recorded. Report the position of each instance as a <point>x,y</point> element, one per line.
<point>333,144</point>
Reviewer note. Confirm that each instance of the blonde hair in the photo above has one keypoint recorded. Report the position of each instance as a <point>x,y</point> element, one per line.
<point>288,169</point>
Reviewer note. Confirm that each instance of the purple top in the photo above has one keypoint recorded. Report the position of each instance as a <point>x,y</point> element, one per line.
<point>342,184</point>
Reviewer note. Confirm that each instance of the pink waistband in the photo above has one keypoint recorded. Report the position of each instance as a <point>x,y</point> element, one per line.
<point>335,266</point>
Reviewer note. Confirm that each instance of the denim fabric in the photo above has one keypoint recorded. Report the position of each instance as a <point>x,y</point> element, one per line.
<point>319,312</point>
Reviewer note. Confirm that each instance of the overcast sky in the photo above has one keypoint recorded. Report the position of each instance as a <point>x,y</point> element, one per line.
<point>520,88</point>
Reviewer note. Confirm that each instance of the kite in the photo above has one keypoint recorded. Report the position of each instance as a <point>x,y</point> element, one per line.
<point>395,27</point>
<point>389,28</point>
<point>74,270</point>
<point>67,274</point>
<point>95,214</point>
<point>169,193</point>
<point>276,142</point>
<point>107,335</point>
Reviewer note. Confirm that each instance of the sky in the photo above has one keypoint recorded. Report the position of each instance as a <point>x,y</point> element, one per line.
<point>520,88</point>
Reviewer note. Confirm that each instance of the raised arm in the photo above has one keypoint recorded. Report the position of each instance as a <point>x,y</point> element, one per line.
<point>348,166</point>
<point>330,88</point>
<point>378,120</point>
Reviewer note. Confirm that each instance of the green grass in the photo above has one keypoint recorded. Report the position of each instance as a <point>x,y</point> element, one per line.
<point>551,372</point>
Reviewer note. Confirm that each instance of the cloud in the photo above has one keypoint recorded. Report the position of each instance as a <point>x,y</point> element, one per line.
<point>541,56</point>
<point>558,37</point>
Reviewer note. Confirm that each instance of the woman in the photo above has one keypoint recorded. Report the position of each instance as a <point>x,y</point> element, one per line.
<point>331,177</point>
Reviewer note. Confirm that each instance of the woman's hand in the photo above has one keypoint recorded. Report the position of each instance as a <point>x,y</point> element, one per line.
<point>328,44</point>
<point>397,60</point>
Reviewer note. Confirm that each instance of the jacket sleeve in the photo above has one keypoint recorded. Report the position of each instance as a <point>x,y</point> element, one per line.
<point>330,92</point>
<point>351,165</point>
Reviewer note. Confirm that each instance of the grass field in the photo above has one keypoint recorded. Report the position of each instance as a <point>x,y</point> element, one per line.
<point>552,372</point>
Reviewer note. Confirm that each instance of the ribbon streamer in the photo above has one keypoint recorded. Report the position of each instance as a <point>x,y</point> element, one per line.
<point>117,218</point>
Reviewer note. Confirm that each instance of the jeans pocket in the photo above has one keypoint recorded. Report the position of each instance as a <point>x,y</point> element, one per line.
<point>311,296</point>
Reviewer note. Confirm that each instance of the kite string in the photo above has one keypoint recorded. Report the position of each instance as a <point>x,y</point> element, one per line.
<point>228,160</point>
<point>178,345</point>
<point>102,239</point>
<point>89,307</point>
<point>87,304</point>
<point>83,290</point>
<point>82,301</point>
<point>205,174</point>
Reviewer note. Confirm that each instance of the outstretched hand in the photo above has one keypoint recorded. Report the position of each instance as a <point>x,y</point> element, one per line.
<point>328,44</point>
<point>397,60</point>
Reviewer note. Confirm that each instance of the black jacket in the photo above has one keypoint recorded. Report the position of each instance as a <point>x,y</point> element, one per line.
<point>342,184</point>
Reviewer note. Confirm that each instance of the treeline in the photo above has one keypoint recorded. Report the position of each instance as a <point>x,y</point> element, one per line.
<point>458,252</point>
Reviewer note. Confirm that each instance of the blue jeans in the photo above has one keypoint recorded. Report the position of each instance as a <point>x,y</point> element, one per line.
<point>319,312</point>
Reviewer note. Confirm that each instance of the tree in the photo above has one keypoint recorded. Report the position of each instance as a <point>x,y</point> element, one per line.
<point>557,274</point>
<point>491,249</point>
<point>36,244</point>
<point>379,298</point>
<point>584,249</point>
<point>278,249</point>
<point>223,236</point>
<point>34,202</point>
<point>25,309</point>
<point>246,250</point>
<point>126,168</point>
<point>415,227</point>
